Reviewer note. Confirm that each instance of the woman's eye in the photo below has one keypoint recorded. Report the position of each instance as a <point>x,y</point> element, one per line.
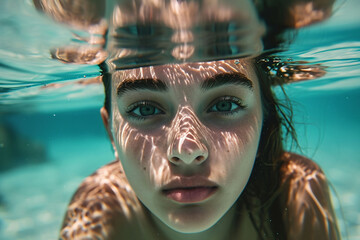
<point>227,105</point>
<point>143,110</point>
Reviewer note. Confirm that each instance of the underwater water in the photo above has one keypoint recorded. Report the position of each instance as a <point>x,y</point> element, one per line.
<point>60,129</point>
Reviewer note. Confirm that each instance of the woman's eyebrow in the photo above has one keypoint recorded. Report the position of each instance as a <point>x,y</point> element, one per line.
<point>140,84</point>
<point>227,78</point>
<point>158,85</point>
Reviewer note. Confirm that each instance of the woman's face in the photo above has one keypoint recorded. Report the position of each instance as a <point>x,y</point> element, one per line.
<point>187,137</point>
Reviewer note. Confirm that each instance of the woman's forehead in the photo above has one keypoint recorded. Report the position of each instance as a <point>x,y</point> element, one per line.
<point>186,72</point>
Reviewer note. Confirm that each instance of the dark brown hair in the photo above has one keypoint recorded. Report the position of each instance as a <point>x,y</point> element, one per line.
<point>261,192</point>
<point>106,79</point>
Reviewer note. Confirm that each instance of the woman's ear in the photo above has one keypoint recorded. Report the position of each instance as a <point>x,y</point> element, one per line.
<point>105,117</point>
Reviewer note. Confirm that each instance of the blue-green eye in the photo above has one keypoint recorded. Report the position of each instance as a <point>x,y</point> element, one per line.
<point>143,109</point>
<point>227,105</point>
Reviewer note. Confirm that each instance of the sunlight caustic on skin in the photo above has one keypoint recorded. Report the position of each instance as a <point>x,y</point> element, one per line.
<point>187,161</point>
<point>308,202</point>
<point>186,141</point>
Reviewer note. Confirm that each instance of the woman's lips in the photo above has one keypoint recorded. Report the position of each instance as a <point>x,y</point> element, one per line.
<point>190,195</point>
<point>189,189</point>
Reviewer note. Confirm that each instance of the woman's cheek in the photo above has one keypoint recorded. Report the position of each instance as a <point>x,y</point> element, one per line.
<point>224,156</point>
<point>235,150</point>
<point>143,157</point>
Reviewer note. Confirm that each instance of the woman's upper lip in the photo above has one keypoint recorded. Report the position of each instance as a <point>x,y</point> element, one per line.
<point>188,182</point>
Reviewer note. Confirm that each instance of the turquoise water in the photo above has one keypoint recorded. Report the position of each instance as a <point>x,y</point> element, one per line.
<point>65,120</point>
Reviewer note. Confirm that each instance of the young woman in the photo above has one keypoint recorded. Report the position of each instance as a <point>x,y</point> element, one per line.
<point>199,146</point>
<point>199,155</point>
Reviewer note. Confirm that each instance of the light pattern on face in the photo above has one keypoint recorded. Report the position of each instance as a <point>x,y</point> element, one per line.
<point>194,124</point>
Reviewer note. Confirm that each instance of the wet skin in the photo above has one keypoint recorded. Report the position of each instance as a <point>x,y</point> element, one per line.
<point>187,137</point>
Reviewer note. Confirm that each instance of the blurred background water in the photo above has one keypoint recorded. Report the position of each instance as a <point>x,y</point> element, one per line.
<point>52,137</point>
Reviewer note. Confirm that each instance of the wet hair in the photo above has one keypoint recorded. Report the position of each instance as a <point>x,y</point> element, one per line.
<point>260,194</point>
<point>106,79</point>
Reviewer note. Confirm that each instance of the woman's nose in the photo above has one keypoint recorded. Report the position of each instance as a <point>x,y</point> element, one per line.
<point>187,150</point>
<point>186,141</point>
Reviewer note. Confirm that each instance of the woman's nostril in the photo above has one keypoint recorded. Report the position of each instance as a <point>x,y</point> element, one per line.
<point>200,158</point>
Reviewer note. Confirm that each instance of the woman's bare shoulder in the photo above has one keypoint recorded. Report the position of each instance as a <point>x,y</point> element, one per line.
<point>103,205</point>
<point>308,212</point>
<point>297,164</point>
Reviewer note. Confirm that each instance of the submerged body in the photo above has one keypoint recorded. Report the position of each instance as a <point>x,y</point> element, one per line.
<point>106,207</point>
<point>200,156</point>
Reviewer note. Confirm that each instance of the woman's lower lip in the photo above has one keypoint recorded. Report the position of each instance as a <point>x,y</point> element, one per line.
<point>190,195</point>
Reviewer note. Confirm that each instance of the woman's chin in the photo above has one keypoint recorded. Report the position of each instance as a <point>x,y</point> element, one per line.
<point>191,228</point>
<point>191,223</point>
